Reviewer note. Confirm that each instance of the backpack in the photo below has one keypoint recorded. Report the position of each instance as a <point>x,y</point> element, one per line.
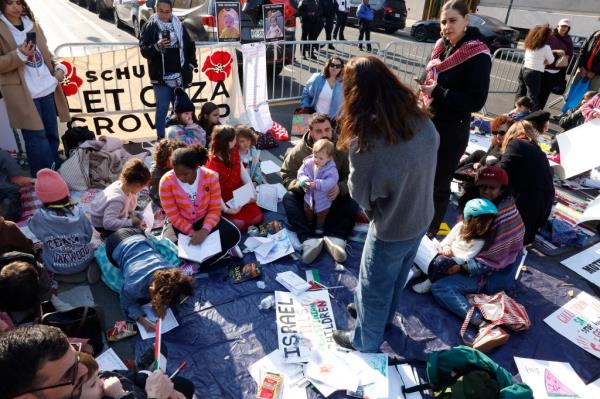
<point>465,373</point>
<point>74,136</point>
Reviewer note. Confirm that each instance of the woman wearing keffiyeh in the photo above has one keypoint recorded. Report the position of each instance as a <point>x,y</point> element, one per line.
<point>171,56</point>
<point>456,84</point>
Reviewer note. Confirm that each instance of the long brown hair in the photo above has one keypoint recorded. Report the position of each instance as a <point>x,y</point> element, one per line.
<point>376,105</point>
<point>325,71</point>
<point>219,146</point>
<point>537,37</point>
<point>522,130</point>
<point>168,286</point>
<point>26,10</point>
<point>476,226</point>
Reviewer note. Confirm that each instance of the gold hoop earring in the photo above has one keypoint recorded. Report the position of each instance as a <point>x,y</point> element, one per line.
<point>465,28</point>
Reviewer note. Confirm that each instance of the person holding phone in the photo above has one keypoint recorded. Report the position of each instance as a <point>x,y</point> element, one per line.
<point>29,81</point>
<point>171,56</point>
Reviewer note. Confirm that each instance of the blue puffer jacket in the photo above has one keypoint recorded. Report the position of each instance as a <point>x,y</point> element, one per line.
<point>365,11</point>
<point>312,89</point>
<point>138,259</point>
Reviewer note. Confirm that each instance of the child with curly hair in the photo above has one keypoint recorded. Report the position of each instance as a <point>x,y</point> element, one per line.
<point>246,145</point>
<point>161,164</point>
<point>113,207</point>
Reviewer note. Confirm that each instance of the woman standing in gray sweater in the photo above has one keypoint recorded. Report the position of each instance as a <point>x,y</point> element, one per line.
<point>392,148</point>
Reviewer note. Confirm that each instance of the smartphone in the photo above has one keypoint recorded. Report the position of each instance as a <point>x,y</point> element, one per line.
<point>165,34</point>
<point>30,37</point>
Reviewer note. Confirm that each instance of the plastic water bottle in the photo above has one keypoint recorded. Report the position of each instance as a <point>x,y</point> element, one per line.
<point>267,302</point>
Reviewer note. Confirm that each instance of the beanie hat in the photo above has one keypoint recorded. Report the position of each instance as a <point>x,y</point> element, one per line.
<point>479,206</point>
<point>565,22</point>
<point>493,176</point>
<point>183,102</point>
<point>538,116</point>
<point>50,186</point>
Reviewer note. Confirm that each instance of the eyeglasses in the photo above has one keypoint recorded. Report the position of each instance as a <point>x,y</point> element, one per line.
<point>499,132</point>
<point>335,65</point>
<point>72,376</point>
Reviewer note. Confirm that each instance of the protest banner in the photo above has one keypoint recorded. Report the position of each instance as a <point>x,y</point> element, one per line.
<point>586,264</point>
<point>111,92</point>
<point>305,324</point>
<point>579,321</point>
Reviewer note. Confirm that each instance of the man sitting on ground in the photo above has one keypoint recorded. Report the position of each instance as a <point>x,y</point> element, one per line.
<point>340,219</point>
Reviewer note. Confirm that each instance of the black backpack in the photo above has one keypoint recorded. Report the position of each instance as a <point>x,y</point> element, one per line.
<point>10,202</point>
<point>74,136</point>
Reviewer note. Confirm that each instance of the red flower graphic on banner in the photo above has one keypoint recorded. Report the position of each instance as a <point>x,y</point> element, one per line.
<point>217,66</point>
<point>71,83</point>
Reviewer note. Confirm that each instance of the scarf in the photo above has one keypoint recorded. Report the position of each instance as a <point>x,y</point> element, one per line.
<point>436,66</point>
<point>19,36</point>
<point>507,233</point>
<point>177,26</point>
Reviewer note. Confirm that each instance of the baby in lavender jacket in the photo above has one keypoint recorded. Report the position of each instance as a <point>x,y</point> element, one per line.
<point>317,176</point>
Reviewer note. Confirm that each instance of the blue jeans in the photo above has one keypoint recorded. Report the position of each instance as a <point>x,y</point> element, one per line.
<point>42,145</point>
<point>451,291</point>
<point>384,267</point>
<point>165,96</point>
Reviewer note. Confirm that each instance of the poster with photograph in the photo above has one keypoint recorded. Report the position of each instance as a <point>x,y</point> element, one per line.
<point>273,22</point>
<point>228,21</point>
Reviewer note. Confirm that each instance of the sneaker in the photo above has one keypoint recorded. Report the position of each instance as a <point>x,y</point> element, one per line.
<point>416,272</point>
<point>336,247</point>
<point>342,338</point>
<point>236,252</point>
<point>490,338</point>
<point>93,273</point>
<point>311,248</point>
<point>422,287</point>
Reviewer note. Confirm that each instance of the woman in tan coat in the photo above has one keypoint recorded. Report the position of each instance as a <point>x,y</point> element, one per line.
<point>29,82</point>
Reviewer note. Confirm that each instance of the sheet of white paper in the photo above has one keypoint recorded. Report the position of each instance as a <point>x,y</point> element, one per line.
<point>148,216</point>
<point>593,389</point>
<point>428,249</point>
<point>244,194</point>
<point>198,253</point>
<point>478,142</point>
<point>168,323</point>
<point>578,149</point>
<point>332,370</point>
<point>586,263</point>
<point>372,373</point>
<point>282,247</point>
<point>268,167</point>
<point>267,197</point>
<point>578,321</point>
<point>110,361</point>
<point>280,190</point>
<point>550,379</point>
<point>292,373</point>
<point>592,212</point>
<point>402,376</point>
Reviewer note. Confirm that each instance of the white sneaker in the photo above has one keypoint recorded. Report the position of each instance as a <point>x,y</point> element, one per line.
<point>416,272</point>
<point>236,252</point>
<point>311,248</point>
<point>422,287</point>
<point>336,248</point>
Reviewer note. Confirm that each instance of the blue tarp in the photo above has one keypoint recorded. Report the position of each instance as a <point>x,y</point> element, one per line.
<point>222,331</point>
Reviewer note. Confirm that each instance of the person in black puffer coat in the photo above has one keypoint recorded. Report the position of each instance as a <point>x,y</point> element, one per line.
<point>311,17</point>
<point>456,83</point>
<point>328,8</point>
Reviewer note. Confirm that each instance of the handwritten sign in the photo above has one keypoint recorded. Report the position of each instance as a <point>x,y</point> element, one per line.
<point>579,321</point>
<point>586,264</point>
<point>305,324</point>
<point>550,379</point>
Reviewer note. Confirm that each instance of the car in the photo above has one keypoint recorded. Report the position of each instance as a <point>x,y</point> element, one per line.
<point>496,34</point>
<point>131,13</point>
<point>389,15</point>
<point>104,8</point>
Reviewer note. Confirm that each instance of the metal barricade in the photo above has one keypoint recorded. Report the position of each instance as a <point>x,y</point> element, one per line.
<point>506,65</point>
<point>288,71</point>
<point>407,59</point>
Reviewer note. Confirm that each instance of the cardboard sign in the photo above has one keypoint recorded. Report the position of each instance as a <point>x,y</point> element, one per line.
<point>579,321</point>
<point>550,379</point>
<point>111,92</point>
<point>586,264</point>
<point>305,324</point>
<point>273,22</point>
<point>228,21</point>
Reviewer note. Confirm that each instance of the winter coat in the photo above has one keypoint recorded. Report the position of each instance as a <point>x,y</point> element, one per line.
<point>328,8</point>
<point>312,90</point>
<point>364,11</point>
<point>295,157</point>
<point>188,134</point>
<point>148,40</point>
<point>309,12</point>
<point>557,42</point>
<point>325,179</point>
<point>590,59</point>
<point>587,109</point>
<point>22,112</point>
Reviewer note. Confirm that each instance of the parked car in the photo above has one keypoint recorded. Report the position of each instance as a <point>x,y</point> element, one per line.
<point>389,15</point>
<point>132,13</point>
<point>495,33</point>
<point>104,8</point>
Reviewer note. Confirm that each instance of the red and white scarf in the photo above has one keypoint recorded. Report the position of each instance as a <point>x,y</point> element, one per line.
<point>436,66</point>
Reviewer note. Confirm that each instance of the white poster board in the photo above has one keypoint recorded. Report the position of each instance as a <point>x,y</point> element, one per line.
<point>305,324</point>
<point>578,149</point>
<point>579,321</point>
<point>550,379</point>
<point>586,264</point>
<point>255,86</point>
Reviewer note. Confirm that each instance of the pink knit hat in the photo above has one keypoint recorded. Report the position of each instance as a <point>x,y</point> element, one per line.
<point>50,186</point>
